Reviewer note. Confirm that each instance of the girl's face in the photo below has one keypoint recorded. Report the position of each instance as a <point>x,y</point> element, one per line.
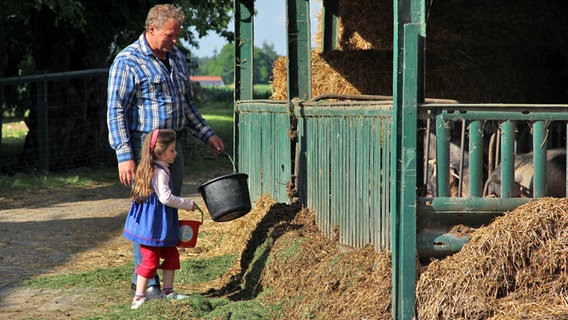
<point>169,154</point>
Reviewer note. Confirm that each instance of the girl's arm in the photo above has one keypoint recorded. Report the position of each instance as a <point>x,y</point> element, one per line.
<point>161,181</point>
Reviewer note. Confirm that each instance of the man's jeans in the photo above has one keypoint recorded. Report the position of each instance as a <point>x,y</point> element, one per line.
<point>176,174</point>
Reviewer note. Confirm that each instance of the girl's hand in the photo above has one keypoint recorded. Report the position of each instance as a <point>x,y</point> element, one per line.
<point>193,207</point>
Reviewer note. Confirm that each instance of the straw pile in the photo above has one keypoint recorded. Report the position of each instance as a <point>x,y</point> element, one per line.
<point>341,73</point>
<point>515,268</point>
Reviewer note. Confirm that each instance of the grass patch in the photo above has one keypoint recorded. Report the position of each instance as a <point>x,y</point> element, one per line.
<point>94,278</point>
<point>112,282</point>
<point>203,270</point>
<point>13,136</point>
<point>73,179</point>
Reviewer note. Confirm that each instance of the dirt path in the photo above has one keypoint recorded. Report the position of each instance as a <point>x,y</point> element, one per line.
<point>58,232</point>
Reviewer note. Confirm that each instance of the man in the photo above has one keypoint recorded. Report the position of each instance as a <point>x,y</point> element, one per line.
<point>149,88</point>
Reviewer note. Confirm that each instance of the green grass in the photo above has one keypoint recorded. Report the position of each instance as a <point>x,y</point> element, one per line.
<point>80,178</point>
<point>109,284</point>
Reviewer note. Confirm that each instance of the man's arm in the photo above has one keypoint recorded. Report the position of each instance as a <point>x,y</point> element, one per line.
<point>120,93</point>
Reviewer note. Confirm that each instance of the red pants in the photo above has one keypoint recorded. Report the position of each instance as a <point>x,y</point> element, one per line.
<point>151,260</point>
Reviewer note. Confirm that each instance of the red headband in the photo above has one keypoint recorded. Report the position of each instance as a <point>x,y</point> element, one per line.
<point>154,139</point>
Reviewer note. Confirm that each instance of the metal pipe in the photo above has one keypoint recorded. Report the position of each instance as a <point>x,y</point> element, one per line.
<point>539,158</point>
<point>508,159</point>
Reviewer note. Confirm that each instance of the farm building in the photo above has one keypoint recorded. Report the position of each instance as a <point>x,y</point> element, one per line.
<point>208,80</point>
<point>395,127</point>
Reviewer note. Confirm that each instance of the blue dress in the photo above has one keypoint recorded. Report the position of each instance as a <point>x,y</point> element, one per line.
<point>152,223</point>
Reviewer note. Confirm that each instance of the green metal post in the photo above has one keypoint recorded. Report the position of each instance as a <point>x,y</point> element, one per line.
<point>244,49</point>
<point>507,158</point>
<point>43,127</point>
<point>539,159</point>
<point>475,159</point>
<point>329,25</point>
<point>299,50</point>
<point>442,157</point>
<point>244,71</point>
<point>408,75</point>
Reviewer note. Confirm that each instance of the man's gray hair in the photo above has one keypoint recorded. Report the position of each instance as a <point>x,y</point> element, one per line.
<point>162,13</point>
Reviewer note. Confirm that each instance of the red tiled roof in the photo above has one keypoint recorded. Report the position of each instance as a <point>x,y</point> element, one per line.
<point>205,78</point>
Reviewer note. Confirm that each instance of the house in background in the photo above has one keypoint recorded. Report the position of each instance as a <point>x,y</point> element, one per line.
<point>208,80</point>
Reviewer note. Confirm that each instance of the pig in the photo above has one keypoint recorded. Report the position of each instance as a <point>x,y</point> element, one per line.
<point>524,174</point>
<point>454,174</point>
<point>454,183</point>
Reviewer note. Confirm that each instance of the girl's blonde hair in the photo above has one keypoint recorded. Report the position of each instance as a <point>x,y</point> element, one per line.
<point>155,144</point>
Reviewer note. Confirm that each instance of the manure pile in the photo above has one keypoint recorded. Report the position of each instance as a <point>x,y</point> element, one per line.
<point>513,268</point>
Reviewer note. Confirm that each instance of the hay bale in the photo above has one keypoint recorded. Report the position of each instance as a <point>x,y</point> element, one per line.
<point>473,53</point>
<point>341,72</point>
<point>516,267</point>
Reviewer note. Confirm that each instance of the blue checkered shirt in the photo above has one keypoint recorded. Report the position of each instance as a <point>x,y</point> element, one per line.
<point>144,95</point>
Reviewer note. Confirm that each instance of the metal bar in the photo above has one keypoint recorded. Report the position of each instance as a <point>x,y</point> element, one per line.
<point>408,92</point>
<point>475,164</point>
<point>491,106</point>
<point>244,49</point>
<point>507,159</point>
<point>53,76</point>
<point>458,205</point>
<point>442,157</point>
<point>462,152</point>
<point>329,25</point>
<point>506,115</point>
<point>43,126</point>
<point>299,50</point>
<point>539,158</point>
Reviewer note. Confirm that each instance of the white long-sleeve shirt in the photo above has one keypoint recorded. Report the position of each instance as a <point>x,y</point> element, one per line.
<point>161,183</point>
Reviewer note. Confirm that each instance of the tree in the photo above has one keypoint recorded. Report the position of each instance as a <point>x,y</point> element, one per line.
<point>222,64</point>
<point>63,35</point>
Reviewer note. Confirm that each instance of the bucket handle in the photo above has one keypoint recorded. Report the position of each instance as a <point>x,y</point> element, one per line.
<point>198,208</point>
<point>232,162</point>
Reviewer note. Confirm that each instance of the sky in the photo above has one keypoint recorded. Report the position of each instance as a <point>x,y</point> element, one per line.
<point>269,27</point>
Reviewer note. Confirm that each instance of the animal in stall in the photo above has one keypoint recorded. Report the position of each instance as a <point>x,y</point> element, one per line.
<point>454,183</point>
<point>455,162</point>
<point>524,176</point>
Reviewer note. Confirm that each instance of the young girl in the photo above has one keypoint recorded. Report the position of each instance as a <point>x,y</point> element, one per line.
<point>153,217</point>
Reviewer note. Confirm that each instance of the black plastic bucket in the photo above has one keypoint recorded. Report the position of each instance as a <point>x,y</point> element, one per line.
<point>226,197</point>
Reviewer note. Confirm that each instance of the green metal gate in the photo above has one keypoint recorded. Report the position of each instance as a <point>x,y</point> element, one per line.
<point>344,168</point>
<point>264,148</point>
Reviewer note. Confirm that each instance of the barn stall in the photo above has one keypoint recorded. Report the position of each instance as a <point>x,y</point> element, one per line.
<point>346,131</point>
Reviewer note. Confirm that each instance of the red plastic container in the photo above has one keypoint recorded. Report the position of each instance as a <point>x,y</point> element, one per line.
<point>188,231</point>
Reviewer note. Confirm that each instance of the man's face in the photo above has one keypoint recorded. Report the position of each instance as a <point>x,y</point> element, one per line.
<point>163,40</point>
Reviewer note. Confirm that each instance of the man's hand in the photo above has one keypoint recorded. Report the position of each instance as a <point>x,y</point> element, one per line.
<point>216,144</point>
<point>126,171</point>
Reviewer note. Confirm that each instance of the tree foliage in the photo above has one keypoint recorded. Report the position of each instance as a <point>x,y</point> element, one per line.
<point>222,63</point>
<point>42,36</point>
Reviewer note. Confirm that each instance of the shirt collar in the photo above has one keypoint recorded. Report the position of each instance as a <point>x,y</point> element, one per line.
<point>163,164</point>
<point>146,48</point>
<point>144,44</point>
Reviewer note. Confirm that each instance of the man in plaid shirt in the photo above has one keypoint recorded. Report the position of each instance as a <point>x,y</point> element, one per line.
<point>149,88</point>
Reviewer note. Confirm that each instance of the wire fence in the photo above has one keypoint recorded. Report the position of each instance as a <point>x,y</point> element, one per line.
<point>64,121</point>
